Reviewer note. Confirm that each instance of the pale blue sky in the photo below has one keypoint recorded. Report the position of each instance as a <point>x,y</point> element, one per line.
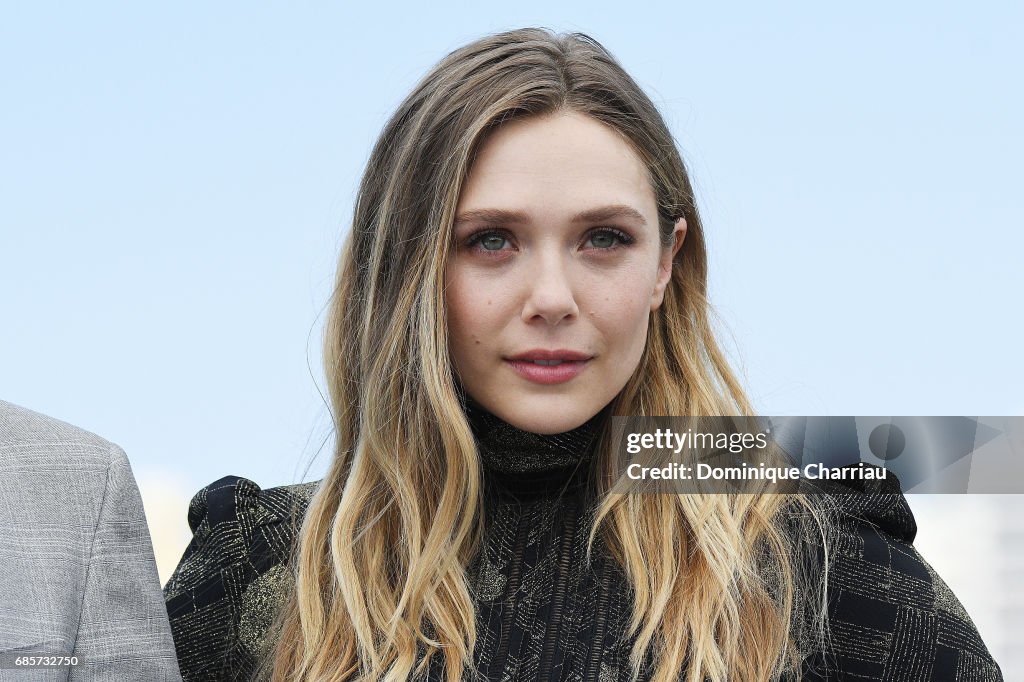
<point>175,183</point>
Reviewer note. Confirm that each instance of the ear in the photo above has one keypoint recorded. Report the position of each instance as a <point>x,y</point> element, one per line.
<point>665,262</point>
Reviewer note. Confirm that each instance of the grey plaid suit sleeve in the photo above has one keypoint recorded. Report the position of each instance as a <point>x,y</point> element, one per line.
<point>77,574</point>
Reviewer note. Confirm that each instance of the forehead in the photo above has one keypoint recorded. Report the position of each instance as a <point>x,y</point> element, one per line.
<point>557,165</point>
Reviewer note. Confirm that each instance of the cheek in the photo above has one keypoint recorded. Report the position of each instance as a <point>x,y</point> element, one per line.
<point>455,312</point>
<point>621,309</point>
<point>471,309</point>
<point>455,305</point>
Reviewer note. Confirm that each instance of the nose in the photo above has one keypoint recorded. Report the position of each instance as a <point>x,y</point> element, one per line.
<point>549,291</point>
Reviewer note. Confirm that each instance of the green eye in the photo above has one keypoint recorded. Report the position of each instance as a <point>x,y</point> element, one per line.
<point>608,239</point>
<point>493,242</point>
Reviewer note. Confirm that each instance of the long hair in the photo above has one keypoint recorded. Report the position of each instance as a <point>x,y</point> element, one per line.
<point>380,580</point>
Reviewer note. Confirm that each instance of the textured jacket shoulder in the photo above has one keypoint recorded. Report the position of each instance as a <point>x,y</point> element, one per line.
<point>234,574</point>
<point>891,616</point>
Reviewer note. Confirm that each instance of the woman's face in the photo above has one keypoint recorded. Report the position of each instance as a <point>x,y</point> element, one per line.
<point>556,266</point>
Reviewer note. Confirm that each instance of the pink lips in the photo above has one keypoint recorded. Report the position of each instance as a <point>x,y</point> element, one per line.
<point>570,365</point>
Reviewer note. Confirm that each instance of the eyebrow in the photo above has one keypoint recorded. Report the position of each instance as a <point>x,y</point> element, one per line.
<point>592,215</point>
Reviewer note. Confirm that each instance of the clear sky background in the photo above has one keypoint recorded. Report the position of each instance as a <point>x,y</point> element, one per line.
<point>175,183</point>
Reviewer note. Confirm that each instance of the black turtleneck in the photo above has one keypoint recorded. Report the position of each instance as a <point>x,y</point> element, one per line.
<point>527,464</point>
<point>543,612</point>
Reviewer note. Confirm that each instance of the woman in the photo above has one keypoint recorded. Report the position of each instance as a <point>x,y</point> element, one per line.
<point>526,260</point>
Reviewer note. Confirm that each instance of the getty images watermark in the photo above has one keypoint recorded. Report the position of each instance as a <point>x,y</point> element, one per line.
<point>797,454</point>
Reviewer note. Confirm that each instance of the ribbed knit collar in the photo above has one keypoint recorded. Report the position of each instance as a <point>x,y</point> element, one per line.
<point>510,452</point>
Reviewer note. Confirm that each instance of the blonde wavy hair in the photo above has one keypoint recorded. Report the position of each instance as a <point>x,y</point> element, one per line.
<point>380,567</point>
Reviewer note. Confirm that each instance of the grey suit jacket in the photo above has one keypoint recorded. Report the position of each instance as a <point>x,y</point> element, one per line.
<point>77,574</point>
